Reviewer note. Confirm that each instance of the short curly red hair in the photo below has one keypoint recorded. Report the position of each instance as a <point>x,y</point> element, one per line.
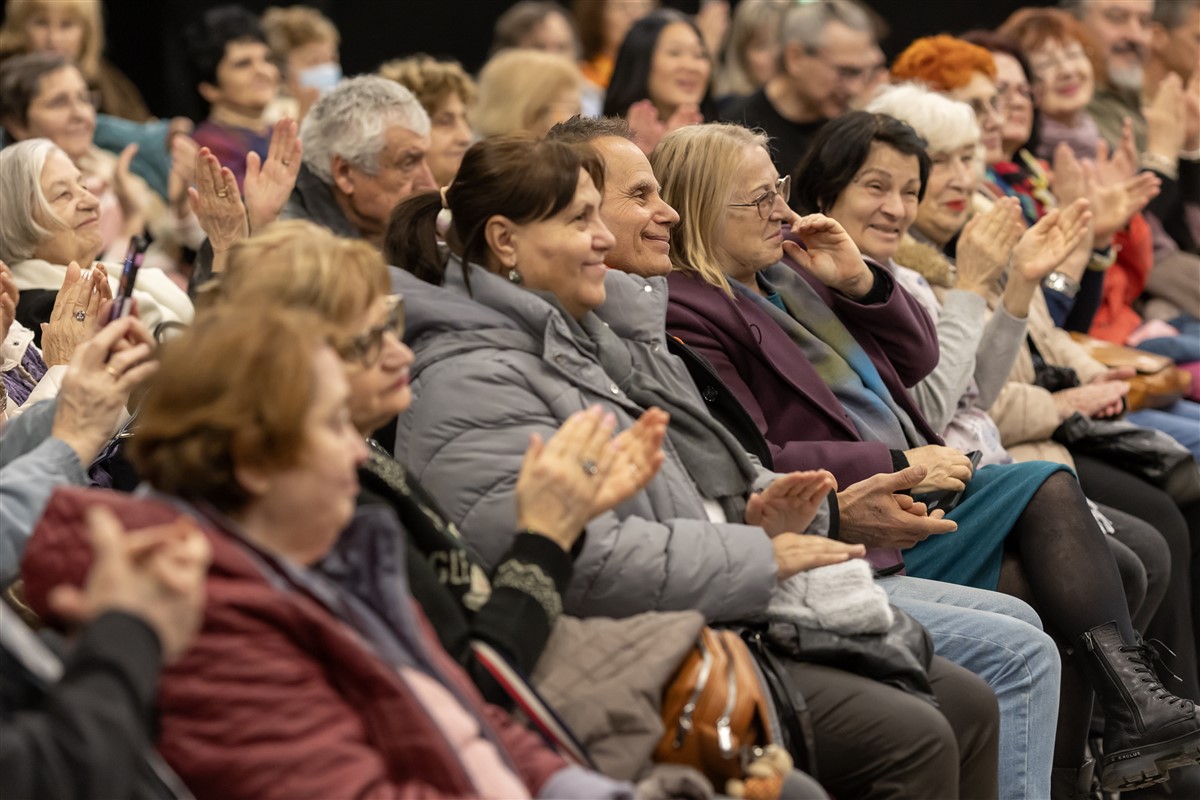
<point>943,63</point>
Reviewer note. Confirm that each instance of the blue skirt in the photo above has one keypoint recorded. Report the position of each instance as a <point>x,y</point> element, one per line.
<point>994,500</point>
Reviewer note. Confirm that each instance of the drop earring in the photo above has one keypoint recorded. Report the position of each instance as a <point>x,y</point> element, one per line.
<point>514,277</point>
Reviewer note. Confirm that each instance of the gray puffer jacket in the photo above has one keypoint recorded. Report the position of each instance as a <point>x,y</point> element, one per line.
<point>499,363</point>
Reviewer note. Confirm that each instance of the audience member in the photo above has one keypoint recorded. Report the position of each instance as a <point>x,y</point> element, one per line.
<point>73,29</point>
<point>751,54</point>
<point>237,78</point>
<point>247,432</point>
<point>525,91</point>
<point>304,42</point>
<point>43,95</point>
<point>829,61</point>
<point>542,360</point>
<point>967,625</point>
<point>83,726</point>
<point>297,265</point>
<point>445,91</point>
<point>662,79</point>
<point>602,25</point>
<point>365,144</point>
<point>50,220</point>
<point>536,25</point>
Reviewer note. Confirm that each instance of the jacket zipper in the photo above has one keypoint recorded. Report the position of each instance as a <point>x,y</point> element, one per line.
<point>685,716</point>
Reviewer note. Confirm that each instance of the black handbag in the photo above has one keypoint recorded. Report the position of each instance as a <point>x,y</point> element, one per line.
<point>900,657</point>
<point>795,732</point>
<point>1145,452</point>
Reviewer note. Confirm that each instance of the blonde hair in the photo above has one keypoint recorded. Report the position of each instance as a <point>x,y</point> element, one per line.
<point>300,265</point>
<point>518,86</point>
<point>432,81</point>
<point>697,166</point>
<point>17,14</point>
<point>295,26</point>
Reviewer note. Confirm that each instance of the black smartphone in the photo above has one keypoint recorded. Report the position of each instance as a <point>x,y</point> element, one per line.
<point>123,302</point>
<point>947,499</point>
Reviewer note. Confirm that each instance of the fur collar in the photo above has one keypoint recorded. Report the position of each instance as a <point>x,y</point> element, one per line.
<point>926,259</point>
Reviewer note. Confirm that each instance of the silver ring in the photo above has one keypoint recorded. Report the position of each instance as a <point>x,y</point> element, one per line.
<point>223,193</point>
<point>80,316</point>
<point>111,370</point>
<point>589,466</point>
<point>287,163</point>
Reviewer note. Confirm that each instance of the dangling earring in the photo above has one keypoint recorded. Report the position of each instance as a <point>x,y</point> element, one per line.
<point>514,277</point>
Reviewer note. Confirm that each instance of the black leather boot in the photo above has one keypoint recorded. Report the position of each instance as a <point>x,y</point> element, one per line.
<point>1072,784</point>
<point>1147,730</point>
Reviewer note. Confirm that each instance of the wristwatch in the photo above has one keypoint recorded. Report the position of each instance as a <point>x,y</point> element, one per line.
<point>1062,283</point>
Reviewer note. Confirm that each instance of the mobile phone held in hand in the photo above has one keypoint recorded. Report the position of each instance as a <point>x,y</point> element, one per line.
<point>123,302</point>
<point>946,500</point>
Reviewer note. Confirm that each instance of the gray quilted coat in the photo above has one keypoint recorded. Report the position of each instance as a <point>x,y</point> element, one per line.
<point>499,363</point>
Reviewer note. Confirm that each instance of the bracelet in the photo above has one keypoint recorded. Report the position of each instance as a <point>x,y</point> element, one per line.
<point>1159,163</point>
<point>1062,283</point>
<point>1103,259</point>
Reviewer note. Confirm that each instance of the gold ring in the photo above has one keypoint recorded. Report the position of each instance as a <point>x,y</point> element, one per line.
<point>112,372</point>
<point>223,193</point>
<point>287,163</point>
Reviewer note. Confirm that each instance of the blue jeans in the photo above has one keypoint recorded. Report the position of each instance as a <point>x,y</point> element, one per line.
<point>1180,420</point>
<point>1000,639</point>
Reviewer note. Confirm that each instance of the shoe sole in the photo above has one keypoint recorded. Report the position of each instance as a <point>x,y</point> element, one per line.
<point>1146,766</point>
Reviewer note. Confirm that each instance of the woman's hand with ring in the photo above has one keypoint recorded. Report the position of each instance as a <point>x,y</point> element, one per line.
<point>76,313</point>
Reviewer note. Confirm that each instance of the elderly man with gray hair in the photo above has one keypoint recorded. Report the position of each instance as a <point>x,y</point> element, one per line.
<point>829,62</point>
<point>364,152</point>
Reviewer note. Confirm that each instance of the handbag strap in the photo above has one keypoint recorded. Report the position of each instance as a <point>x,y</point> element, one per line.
<point>794,716</point>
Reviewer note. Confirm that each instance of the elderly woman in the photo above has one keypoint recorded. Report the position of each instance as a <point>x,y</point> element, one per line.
<point>445,91</point>
<point>305,42</point>
<point>45,95</point>
<point>525,91</point>
<point>516,320</point>
<point>820,350</point>
<point>49,221</point>
<point>663,77</point>
<point>73,29</point>
<point>751,54</point>
<point>248,431</point>
<point>237,78</point>
<point>299,265</point>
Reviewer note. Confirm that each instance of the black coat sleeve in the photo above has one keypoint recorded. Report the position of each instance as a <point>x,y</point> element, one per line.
<point>87,735</point>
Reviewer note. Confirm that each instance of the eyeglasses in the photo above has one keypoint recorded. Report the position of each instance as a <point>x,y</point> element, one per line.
<point>366,349</point>
<point>765,202</point>
<point>1007,92</point>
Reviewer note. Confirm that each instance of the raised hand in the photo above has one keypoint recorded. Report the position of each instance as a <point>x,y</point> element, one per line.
<point>1115,204</point>
<point>1122,163</point>
<point>132,200</point>
<point>156,574</point>
<point>647,128</point>
<point>269,183</point>
<point>874,513</point>
<point>986,244</point>
<point>76,315</point>
<point>1067,178</point>
<point>637,457</point>
<point>832,257</point>
<point>1166,120</point>
<point>218,205</point>
<point>183,172</point>
<point>790,503</point>
<point>799,552</point>
<point>1052,240</point>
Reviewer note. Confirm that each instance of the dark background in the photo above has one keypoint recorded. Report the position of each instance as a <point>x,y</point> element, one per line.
<point>145,37</point>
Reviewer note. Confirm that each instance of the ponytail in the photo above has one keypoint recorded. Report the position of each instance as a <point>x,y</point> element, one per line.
<point>411,241</point>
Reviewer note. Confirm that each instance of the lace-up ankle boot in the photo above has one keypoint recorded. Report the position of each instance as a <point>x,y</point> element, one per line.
<point>1147,730</point>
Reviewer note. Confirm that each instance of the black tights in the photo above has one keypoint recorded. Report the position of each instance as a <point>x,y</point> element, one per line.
<point>1069,571</point>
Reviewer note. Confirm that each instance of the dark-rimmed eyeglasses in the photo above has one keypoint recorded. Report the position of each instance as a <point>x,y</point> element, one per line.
<point>765,202</point>
<point>365,349</point>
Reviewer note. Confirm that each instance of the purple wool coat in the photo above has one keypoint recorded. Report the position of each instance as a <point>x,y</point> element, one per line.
<point>804,424</point>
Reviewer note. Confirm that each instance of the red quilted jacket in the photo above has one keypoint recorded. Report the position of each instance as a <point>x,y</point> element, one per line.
<point>277,697</point>
<point>1124,282</point>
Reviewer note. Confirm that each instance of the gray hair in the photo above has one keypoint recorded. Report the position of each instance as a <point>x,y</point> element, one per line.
<point>944,123</point>
<point>805,23</point>
<point>352,120</point>
<point>21,167</point>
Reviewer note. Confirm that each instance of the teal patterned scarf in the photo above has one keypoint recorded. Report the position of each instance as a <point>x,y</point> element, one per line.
<point>837,357</point>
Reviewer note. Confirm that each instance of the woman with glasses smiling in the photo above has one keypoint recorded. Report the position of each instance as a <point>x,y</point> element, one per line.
<point>299,265</point>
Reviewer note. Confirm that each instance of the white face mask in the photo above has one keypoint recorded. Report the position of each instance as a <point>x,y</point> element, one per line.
<point>322,77</point>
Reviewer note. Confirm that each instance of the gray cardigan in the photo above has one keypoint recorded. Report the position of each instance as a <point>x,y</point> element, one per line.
<point>32,465</point>
<point>500,363</point>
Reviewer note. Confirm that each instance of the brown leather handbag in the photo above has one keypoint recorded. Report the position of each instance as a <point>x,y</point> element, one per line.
<point>1158,384</point>
<point>715,709</point>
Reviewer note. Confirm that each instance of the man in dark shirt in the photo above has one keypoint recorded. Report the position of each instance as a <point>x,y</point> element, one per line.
<point>830,60</point>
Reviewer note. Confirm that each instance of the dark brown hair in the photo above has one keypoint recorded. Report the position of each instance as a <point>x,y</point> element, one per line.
<point>518,176</point>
